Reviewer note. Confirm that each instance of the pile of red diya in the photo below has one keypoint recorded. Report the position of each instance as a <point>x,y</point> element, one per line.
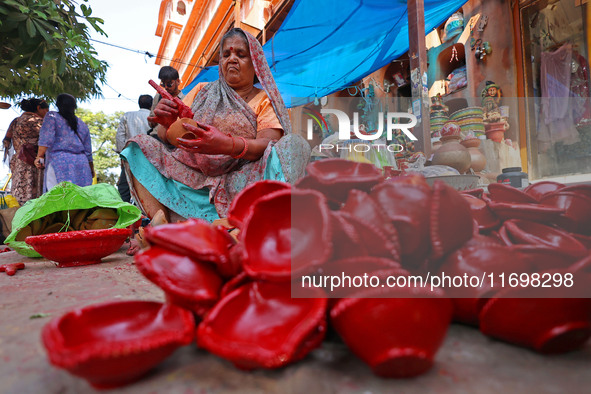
<point>257,301</point>
<point>535,245</point>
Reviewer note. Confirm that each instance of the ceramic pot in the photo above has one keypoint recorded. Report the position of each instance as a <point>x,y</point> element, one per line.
<point>450,128</point>
<point>495,131</point>
<point>477,158</point>
<point>176,130</point>
<point>452,154</point>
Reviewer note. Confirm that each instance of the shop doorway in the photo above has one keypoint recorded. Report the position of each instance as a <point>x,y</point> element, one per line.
<point>556,78</point>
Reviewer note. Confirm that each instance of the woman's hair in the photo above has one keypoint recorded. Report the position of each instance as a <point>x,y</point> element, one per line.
<point>236,32</point>
<point>30,105</point>
<point>66,105</point>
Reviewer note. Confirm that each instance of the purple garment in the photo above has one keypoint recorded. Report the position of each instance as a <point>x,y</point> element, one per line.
<point>68,153</point>
<point>558,102</point>
<point>555,80</point>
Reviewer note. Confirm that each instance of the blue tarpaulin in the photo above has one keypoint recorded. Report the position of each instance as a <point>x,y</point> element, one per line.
<point>324,46</point>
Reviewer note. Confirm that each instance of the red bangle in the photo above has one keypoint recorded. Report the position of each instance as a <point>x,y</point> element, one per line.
<point>241,155</point>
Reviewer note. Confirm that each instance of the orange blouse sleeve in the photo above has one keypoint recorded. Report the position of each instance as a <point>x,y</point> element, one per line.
<point>266,117</point>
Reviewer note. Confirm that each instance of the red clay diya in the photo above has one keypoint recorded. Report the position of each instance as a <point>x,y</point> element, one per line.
<point>544,257</point>
<point>259,325</point>
<point>369,237</point>
<point>288,233</point>
<point>577,209</point>
<point>11,268</point>
<point>451,220</point>
<point>499,192</point>
<point>75,248</point>
<point>430,222</point>
<point>114,344</point>
<point>336,177</point>
<point>396,336</point>
<point>525,316</point>
<point>241,206</point>
<point>546,325</point>
<point>191,284</point>
<point>406,201</point>
<point>485,218</point>
<point>524,232</point>
<point>195,238</point>
<point>534,212</point>
<point>361,206</point>
<point>480,261</point>
<point>540,189</point>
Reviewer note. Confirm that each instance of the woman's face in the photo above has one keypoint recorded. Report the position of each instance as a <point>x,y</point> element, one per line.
<point>237,67</point>
<point>42,111</point>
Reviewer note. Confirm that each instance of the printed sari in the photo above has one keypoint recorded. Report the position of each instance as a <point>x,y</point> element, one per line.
<point>182,176</point>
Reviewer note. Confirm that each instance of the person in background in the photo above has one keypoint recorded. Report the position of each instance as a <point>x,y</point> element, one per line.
<point>131,124</point>
<point>64,146</point>
<point>27,180</point>
<point>7,141</point>
<point>169,80</point>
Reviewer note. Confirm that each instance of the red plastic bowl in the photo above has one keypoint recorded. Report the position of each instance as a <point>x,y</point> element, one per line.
<point>116,343</point>
<point>76,248</point>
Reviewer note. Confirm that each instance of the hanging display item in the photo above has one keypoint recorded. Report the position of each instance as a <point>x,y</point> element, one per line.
<point>491,97</point>
<point>481,49</point>
<point>454,26</point>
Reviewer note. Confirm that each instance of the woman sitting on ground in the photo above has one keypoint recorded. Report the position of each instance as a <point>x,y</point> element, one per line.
<point>243,136</point>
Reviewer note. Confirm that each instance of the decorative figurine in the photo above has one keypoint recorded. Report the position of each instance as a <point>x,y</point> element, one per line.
<point>491,96</point>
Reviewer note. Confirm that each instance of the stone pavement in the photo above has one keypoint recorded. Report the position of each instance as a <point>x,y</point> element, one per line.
<point>468,362</point>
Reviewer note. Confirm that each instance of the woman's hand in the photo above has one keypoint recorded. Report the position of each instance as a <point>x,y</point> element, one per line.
<point>39,162</point>
<point>166,112</point>
<point>209,140</point>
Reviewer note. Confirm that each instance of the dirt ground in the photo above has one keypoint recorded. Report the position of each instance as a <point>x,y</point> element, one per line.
<point>468,362</point>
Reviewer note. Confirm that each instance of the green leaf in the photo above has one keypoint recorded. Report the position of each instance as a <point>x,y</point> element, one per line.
<point>17,16</point>
<point>40,28</point>
<point>37,57</point>
<point>31,28</point>
<point>62,65</point>
<point>12,2</point>
<point>39,315</point>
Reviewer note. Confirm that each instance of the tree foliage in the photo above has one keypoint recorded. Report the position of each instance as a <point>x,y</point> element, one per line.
<point>103,129</point>
<point>45,49</point>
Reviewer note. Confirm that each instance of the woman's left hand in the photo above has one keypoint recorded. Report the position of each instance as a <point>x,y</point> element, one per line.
<point>209,140</point>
